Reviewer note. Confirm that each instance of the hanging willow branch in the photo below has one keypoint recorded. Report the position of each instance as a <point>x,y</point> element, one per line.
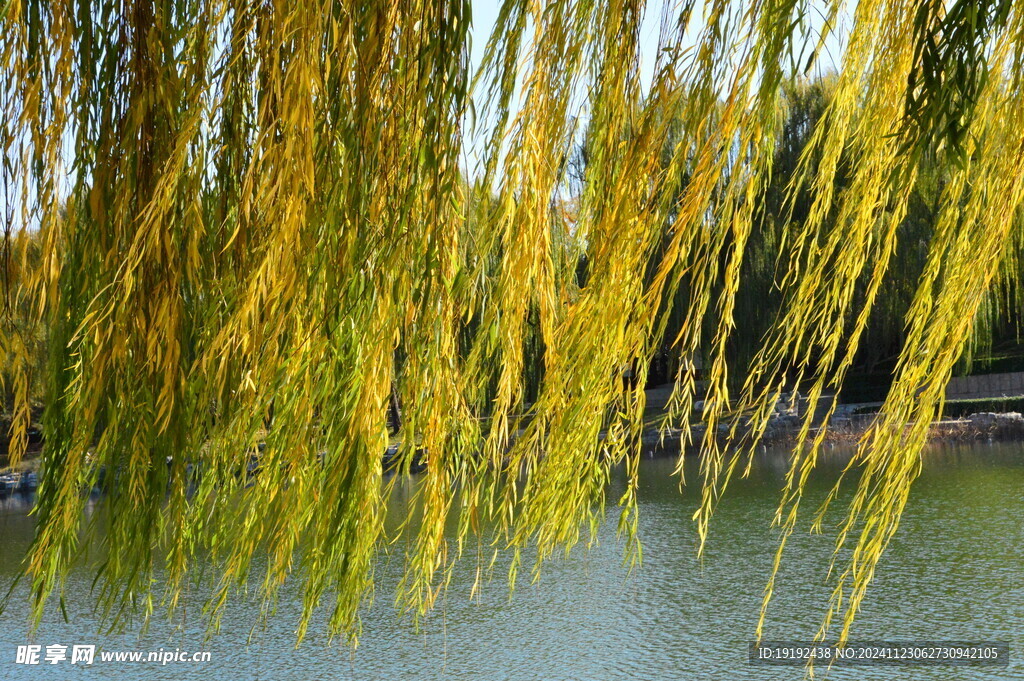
<point>248,231</point>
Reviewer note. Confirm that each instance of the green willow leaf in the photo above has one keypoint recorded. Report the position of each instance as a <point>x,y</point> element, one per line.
<point>240,234</point>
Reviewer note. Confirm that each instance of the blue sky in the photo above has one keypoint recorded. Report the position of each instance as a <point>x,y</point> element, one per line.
<point>485,13</point>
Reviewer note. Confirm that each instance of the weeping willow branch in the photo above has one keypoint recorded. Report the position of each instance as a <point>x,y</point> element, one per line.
<point>248,230</point>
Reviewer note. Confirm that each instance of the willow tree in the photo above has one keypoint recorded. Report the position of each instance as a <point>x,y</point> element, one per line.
<point>254,221</point>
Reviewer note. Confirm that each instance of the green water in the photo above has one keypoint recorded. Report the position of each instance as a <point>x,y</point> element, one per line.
<point>955,571</point>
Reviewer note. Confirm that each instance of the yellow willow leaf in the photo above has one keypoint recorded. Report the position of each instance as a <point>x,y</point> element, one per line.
<point>260,225</point>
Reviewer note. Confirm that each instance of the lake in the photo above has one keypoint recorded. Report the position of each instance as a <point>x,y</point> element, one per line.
<point>955,571</point>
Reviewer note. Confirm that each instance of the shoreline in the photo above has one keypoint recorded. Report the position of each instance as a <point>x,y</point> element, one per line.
<point>846,430</point>
<point>843,429</point>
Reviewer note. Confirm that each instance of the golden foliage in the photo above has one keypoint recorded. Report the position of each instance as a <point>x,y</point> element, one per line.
<point>254,226</point>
